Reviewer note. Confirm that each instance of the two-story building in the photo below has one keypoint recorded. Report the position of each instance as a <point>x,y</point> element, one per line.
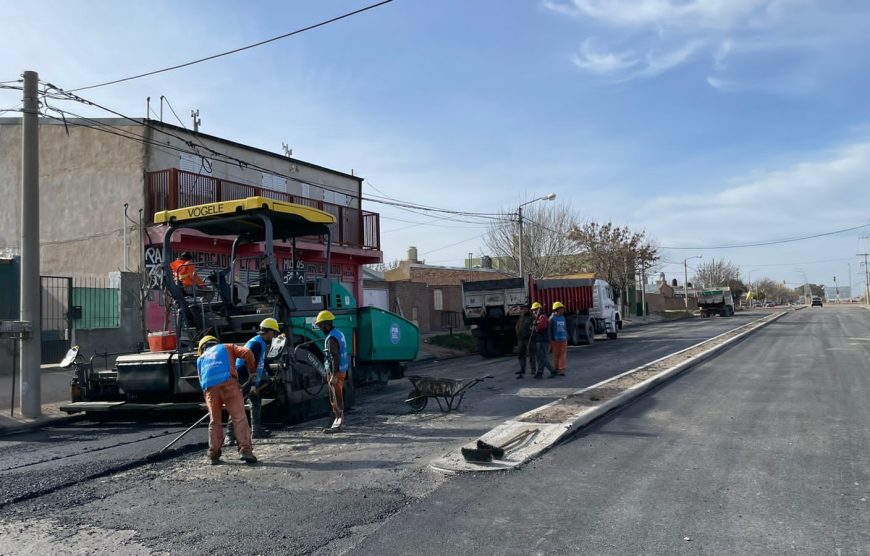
<point>101,181</point>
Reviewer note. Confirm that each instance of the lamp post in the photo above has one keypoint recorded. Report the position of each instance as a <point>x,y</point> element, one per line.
<point>686,278</point>
<point>750,285</point>
<point>549,197</point>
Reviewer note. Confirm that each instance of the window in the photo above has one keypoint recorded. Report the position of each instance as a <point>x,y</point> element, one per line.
<point>194,163</point>
<point>274,183</point>
<point>439,300</point>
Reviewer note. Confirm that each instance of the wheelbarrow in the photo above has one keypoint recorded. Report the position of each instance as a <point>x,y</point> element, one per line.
<point>449,390</point>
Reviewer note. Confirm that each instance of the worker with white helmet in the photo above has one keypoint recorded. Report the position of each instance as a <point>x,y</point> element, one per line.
<point>216,367</point>
<point>259,346</point>
<point>337,365</point>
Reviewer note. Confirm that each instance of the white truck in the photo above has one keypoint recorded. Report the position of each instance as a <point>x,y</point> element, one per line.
<point>716,301</point>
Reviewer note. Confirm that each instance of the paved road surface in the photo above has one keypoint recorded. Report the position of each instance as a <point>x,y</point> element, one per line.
<point>312,494</point>
<point>761,450</point>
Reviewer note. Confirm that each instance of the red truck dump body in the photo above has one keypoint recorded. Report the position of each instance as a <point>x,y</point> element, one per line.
<point>574,293</point>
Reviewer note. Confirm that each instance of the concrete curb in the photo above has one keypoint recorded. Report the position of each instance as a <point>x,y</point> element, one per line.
<point>17,427</point>
<point>545,435</point>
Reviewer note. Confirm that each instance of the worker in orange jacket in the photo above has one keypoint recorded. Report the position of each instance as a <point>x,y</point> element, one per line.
<point>216,367</point>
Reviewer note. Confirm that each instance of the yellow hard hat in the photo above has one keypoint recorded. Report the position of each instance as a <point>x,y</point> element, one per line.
<point>323,316</point>
<point>203,342</point>
<point>558,305</point>
<point>536,305</point>
<point>270,324</point>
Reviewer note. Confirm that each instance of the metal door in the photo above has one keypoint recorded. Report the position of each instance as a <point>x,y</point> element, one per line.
<point>55,310</point>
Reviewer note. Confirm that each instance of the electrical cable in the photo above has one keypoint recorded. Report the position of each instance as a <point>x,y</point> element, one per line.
<point>235,50</point>
<point>771,242</point>
<point>407,206</point>
<point>476,236</point>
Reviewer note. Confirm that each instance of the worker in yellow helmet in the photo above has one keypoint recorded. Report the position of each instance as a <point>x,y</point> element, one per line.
<point>219,380</point>
<point>259,346</point>
<point>559,339</point>
<point>542,341</point>
<point>337,365</point>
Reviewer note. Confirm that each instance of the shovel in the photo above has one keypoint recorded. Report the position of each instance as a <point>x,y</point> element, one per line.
<point>484,453</point>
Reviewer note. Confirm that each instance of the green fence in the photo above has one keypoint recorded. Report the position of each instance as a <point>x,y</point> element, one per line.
<point>94,304</point>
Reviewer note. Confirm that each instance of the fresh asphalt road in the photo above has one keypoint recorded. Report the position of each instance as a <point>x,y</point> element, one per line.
<point>760,450</point>
<point>311,494</point>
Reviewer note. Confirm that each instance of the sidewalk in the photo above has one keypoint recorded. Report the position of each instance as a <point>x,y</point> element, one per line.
<point>55,392</point>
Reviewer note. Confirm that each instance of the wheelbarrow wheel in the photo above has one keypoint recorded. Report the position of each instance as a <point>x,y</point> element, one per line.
<point>418,403</point>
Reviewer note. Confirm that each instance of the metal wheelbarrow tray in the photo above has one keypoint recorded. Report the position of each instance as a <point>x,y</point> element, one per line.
<point>450,390</point>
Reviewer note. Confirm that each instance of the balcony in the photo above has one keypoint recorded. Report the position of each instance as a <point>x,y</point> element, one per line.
<point>173,188</point>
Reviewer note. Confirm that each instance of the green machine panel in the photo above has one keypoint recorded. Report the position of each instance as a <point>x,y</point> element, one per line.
<point>385,336</point>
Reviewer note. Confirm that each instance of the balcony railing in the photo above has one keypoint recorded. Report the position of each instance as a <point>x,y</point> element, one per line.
<point>173,188</point>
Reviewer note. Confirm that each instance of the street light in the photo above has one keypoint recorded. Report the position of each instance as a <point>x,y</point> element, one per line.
<point>750,285</point>
<point>548,197</point>
<point>686,278</point>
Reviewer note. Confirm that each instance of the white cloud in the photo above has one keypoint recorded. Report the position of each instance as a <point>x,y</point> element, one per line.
<point>645,38</point>
<point>604,62</point>
<point>715,14</point>
<point>784,202</point>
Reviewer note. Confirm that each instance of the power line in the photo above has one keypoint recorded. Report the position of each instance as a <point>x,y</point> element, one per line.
<point>235,50</point>
<point>476,236</point>
<point>771,242</point>
<point>407,206</point>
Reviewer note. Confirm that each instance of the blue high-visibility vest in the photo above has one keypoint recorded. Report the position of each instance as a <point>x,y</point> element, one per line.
<point>213,366</point>
<point>242,367</point>
<point>559,328</point>
<point>343,363</point>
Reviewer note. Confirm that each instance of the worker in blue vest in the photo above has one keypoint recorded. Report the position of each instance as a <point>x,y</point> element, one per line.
<point>337,365</point>
<point>259,346</point>
<point>219,380</point>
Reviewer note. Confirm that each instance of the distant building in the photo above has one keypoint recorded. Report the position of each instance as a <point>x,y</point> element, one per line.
<point>431,295</point>
<point>833,293</point>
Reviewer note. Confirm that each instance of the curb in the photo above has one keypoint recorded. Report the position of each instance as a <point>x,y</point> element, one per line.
<point>546,434</point>
<point>18,428</point>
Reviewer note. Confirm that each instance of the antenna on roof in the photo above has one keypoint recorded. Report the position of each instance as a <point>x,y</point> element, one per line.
<point>196,120</point>
<point>288,152</point>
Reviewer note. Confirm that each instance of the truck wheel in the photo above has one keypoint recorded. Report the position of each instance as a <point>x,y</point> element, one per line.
<point>612,335</point>
<point>619,324</point>
<point>506,345</point>
<point>588,333</point>
<point>484,346</point>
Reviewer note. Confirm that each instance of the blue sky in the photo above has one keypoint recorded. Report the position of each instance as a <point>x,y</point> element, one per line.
<point>702,122</point>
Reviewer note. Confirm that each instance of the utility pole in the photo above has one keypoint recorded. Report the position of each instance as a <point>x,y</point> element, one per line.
<point>31,346</point>
<point>851,292</point>
<point>196,120</point>
<point>520,217</point>
<point>866,278</point>
<point>686,279</point>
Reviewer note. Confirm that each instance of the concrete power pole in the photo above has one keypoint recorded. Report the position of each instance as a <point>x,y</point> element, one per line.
<point>31,346</point>
<point>866,278</point>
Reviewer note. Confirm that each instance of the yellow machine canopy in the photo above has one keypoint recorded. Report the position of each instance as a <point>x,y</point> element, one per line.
<point>245,217</point>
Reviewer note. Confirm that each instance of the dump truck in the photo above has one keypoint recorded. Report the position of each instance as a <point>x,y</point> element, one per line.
<point>251,288</point>
<point>491,309</point>
<point>716,301</point>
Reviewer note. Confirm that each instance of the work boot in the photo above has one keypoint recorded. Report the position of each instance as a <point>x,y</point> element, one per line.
<point>248,457</point>
<point>214,461</point>
<point>552,375</point>
<point>539,375</point>
<point>260,433</point>
<point>521,375</point>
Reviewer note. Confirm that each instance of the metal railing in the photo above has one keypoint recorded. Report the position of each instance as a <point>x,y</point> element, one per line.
<point>173,188</point>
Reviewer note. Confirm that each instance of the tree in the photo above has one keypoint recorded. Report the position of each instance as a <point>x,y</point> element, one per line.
<point>713,273</point>
<point>614,253</point>
<point>547,250</point>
